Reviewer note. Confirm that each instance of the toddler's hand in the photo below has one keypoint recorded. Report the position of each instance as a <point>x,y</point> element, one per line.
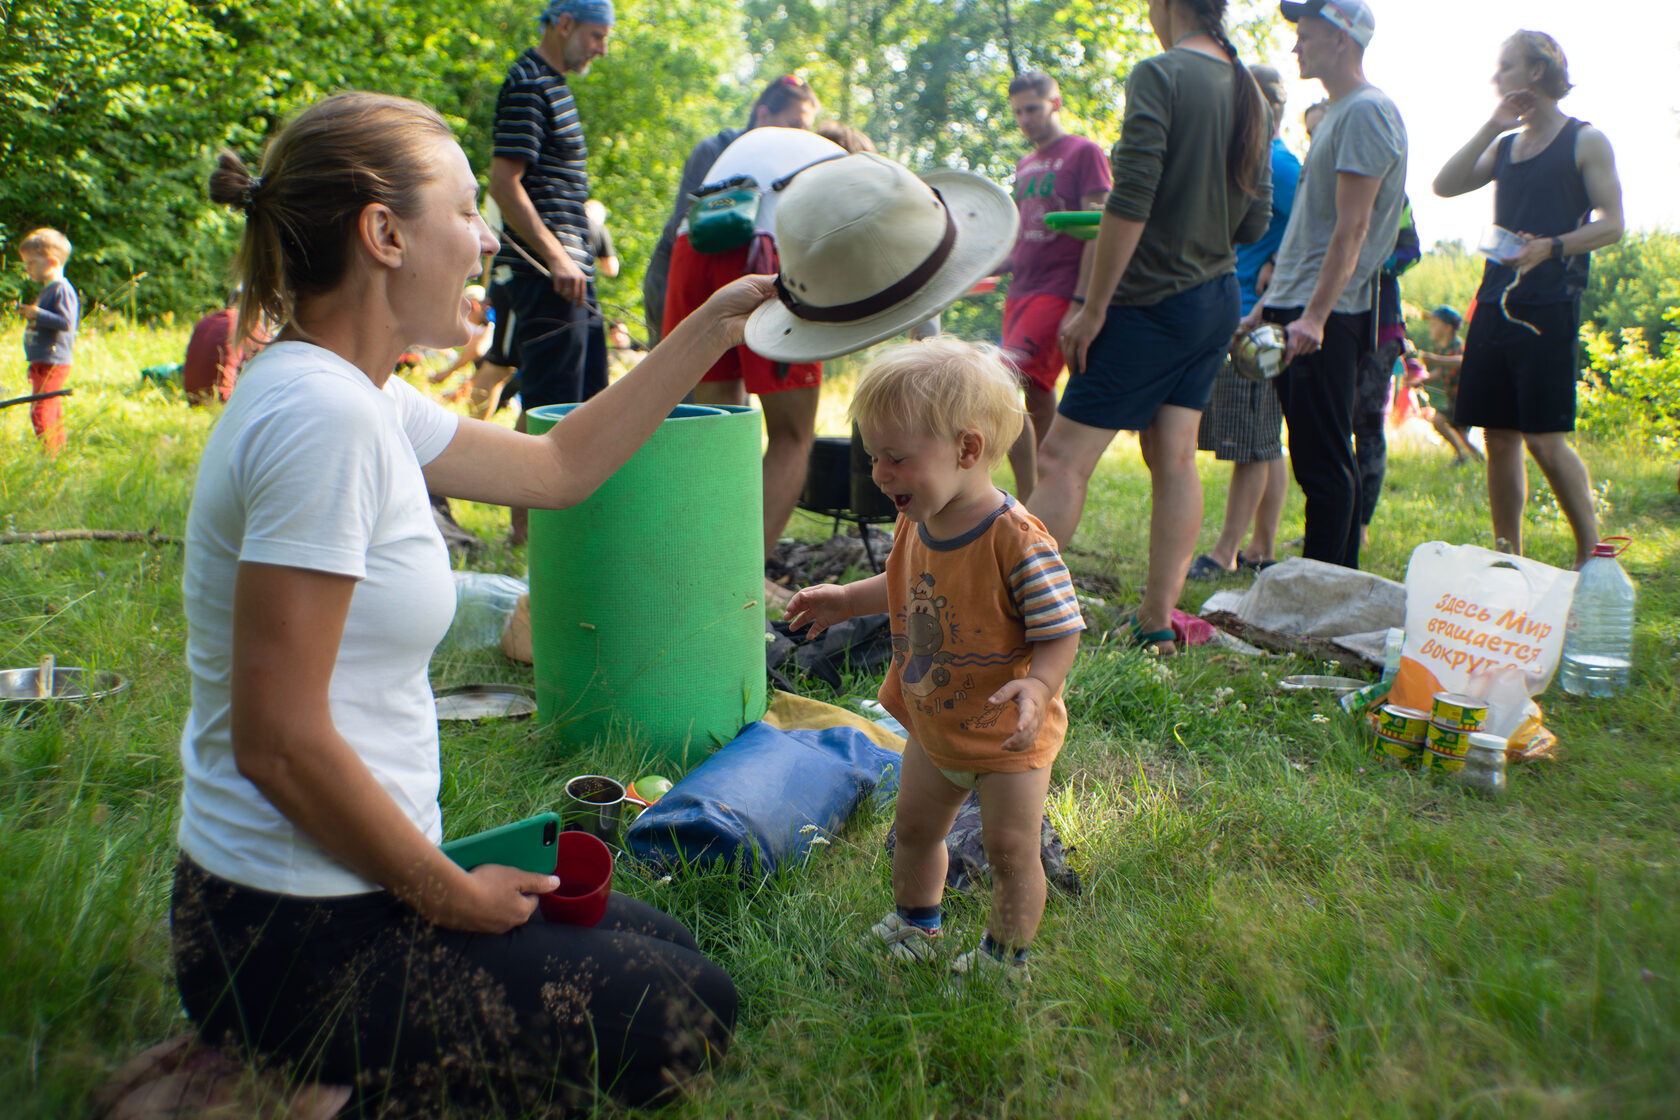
<point>818,607</point>
<point>1033,699</point>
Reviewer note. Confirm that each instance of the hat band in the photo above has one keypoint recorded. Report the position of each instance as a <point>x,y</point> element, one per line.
<point>895,294</point>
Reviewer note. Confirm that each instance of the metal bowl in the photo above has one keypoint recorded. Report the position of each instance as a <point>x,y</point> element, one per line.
<point>22,688</point>
<point>473,702</point>
<point>1310,683</point>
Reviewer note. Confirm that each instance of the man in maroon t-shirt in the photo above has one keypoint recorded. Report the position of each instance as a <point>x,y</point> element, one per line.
<point>214,356</point>
<point>1062,172</point>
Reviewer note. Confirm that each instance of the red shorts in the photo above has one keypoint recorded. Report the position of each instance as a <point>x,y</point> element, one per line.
<point>48,416</point>
<point>694,277</point>
<point>1029,337</point>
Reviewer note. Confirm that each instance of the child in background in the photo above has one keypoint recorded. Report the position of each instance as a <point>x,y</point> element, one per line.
<point>51,332</point>
<point>984,630</point>
<point>1442,387</point>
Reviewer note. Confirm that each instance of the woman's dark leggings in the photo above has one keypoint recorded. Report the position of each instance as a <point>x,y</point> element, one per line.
<point>362,991</point>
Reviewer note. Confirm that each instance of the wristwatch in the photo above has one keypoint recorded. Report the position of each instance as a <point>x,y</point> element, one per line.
<point>1557,248</point>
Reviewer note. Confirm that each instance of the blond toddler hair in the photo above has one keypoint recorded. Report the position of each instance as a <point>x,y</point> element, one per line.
<point>47,242</point>
<point>944,386</point>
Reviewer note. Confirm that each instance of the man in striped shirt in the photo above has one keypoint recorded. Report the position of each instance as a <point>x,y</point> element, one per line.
<point>545,270</point>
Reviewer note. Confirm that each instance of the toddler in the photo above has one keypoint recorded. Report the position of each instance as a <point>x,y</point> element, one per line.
<point>984,630</point>
<point>51,331</point>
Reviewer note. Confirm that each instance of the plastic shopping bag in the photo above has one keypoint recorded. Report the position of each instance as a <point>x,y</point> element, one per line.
<point>1487,625</point>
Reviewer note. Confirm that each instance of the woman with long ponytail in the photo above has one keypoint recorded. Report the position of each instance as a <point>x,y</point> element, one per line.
<point>1192,180</point>
<point>317,925</point>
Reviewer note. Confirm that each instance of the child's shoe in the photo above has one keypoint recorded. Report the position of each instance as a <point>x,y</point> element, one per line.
<point>905,939</point>
<point>977,962</point>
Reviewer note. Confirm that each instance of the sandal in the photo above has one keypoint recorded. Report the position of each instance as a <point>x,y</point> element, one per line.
<point>1131,636</point>
<point>1205,567</point>
<point>1253,565</point>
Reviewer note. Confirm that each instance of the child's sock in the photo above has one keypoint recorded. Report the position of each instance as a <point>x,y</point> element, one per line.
<point>925,918</point>
<point>1001,954</point>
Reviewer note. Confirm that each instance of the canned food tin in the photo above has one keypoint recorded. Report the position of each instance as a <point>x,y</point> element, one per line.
<point>1389,749</point>
<point>1454,709</point>
<point>1406,724</point>
<point>1446,748</point>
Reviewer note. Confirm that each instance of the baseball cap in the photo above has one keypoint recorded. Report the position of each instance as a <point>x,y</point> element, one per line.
<point>1352,16</point>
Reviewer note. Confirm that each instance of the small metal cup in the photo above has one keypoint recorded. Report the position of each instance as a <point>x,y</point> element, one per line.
<point>594,804</point>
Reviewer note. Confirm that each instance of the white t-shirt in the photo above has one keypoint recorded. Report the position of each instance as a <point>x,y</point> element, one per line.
<point>311,466</point>
<point>768,154</point>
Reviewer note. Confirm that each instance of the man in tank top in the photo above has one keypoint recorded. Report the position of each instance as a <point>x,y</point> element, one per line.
<point>1555,185</point>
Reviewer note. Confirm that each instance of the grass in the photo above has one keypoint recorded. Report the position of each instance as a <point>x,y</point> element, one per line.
<point>1270,925</point>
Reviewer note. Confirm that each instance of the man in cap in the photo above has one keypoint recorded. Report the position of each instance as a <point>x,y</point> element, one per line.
<point>545,268</point>
<point>1342,229</point>
<point>787,102</point>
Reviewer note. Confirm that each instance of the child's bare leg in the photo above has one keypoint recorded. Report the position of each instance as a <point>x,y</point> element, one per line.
<point>1011,810</point>
<point>927,805</point>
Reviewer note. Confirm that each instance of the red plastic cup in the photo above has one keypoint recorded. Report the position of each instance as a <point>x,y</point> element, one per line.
<point>585,867</point>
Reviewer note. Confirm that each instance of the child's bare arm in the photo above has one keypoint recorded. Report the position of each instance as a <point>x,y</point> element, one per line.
<point>1032,694</point>
<point>827,604</point>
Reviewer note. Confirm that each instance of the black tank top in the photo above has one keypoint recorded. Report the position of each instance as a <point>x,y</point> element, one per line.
<point>1546,196</point>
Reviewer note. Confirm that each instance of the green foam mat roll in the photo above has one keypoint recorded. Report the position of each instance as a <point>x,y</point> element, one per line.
<point>647,612</point>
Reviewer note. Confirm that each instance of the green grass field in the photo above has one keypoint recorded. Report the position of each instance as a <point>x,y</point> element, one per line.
<point>1271,924</point>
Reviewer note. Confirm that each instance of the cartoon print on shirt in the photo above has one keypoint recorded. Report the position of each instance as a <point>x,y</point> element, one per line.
<point>920,652</point>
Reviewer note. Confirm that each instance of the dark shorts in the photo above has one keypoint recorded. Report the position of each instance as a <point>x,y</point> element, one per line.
<point>1515,380</point>
<point>1243,422</point>
<point>547,339</point>
<point>1146,357</point>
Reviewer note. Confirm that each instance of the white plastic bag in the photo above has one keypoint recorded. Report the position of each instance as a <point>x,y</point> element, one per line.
<point>483,603</point>
<point>1484,624</point>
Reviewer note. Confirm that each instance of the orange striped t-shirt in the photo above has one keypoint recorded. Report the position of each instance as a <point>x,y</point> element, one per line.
<point>965,613</point>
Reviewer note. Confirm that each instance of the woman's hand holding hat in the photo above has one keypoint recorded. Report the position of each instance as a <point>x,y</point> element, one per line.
<point>731,305</point>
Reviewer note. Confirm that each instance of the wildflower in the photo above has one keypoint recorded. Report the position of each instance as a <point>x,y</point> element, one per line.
<point>823,840</point>
<point>1320,717</point>
<point>807,830</point>
<point>663,881</point>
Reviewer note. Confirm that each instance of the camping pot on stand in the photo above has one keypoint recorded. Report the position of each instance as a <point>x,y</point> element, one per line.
<point>840,483</point>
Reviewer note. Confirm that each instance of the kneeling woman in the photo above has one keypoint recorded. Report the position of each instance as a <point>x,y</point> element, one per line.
<point>315,921</point>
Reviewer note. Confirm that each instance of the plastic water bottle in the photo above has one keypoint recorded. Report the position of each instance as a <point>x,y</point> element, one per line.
<point>1598,643</point>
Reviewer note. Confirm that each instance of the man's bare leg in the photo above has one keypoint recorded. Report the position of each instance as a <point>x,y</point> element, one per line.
<point>1242,500</point>
<point>1507,483</point>
<point>1262,544</point>
<point>790,422</point>
<point>1572,486</point>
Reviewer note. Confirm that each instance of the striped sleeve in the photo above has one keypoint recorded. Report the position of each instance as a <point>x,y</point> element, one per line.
<point>1042,591</point>
<point>521,114</point>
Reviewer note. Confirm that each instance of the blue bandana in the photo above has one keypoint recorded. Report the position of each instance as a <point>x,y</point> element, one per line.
<point>584,11</point>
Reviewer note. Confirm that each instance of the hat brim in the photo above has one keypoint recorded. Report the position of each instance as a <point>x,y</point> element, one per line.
<point>986,222</point>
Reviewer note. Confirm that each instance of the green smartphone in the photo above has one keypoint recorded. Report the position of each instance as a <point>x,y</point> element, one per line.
<point>527,845</point>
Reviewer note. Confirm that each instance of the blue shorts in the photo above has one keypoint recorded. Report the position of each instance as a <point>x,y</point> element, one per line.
<point>1145,357</point>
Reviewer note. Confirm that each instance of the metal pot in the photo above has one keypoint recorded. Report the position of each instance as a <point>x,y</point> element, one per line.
<point>1258,355</point>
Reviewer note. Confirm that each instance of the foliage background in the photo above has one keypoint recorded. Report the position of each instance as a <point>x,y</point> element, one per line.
<point>110,116</point>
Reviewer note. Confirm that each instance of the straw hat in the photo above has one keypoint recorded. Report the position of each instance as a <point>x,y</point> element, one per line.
<point>868,250</point>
